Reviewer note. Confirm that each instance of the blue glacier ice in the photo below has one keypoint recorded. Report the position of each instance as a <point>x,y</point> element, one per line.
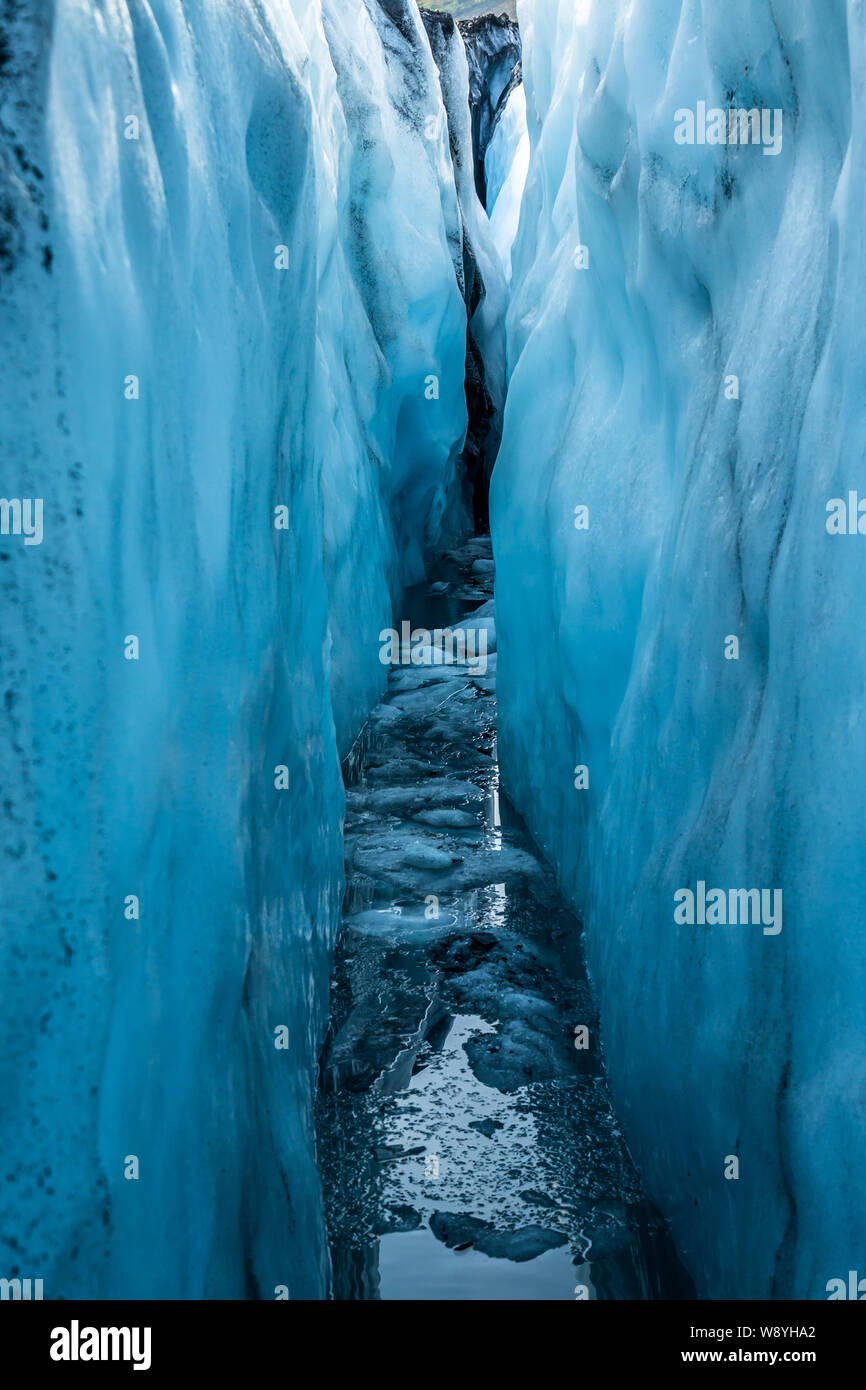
<point>232,247</point>
<point>705,519</point>
<point>507,165</point>
<point>258,330</point>
<point>481,274</point>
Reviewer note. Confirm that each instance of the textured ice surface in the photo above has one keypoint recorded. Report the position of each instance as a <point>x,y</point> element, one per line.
<point>487,293</point>
<point>318,128</point>
<point>706,519</point>
<point>507,165</point>
<point>457,1115</point>
<point>493,54</point>
<point>479,269</point>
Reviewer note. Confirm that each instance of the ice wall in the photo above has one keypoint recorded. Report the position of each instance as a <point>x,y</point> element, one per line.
<point>694,379</point>
<point>233,372</point>
<point>481,273</point>
<point>507,165</point>
<point>493,51</point>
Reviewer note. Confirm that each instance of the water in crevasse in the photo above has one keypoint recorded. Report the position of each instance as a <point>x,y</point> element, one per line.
<point>468,1148</point>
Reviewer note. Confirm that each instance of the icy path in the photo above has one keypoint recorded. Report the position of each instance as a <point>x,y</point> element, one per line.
<point>468,1148</point>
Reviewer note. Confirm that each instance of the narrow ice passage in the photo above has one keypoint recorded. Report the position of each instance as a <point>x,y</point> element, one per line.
<point>466,1137</point>
<point>270,1029</point>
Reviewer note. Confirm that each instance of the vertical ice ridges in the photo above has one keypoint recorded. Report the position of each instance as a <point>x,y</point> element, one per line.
<point>234,375</point>
<point>506,166</point>
<point>686,365</point>
<point>481,272</point>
